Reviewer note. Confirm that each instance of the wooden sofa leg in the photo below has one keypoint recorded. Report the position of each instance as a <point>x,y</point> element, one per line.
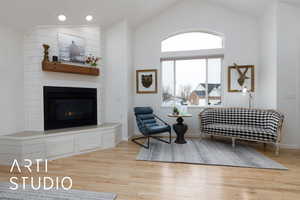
<point>265,146</point>
<point>277,149</point>
<point>233,142</point>
<point>201,135</point>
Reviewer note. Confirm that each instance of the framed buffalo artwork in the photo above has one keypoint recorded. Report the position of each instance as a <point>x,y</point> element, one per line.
<point>146,81</point>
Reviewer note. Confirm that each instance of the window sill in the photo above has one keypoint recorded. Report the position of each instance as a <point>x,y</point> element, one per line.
<point>194,107</point>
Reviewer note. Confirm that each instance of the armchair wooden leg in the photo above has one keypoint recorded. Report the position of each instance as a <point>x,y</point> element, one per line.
<point>265,146</point>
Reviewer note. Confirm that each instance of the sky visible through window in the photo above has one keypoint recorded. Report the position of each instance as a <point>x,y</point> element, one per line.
<point>192,41</point>
<point>189,73</point>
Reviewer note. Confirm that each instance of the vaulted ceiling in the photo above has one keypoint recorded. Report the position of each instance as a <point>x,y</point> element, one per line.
<point>22,14</point>
<point>251,7</point>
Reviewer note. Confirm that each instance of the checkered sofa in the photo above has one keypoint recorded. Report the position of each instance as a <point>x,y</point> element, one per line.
<point>242,123</point>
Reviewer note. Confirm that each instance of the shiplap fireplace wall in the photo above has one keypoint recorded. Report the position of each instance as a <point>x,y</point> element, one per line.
<point>35,78</point>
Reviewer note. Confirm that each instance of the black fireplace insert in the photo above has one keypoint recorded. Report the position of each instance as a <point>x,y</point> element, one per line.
<point>66,107</point>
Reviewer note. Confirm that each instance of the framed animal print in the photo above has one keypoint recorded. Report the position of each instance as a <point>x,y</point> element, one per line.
<point>241,76</point>
<point>146,81</point>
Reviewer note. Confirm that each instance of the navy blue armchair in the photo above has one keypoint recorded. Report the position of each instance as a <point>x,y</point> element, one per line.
<point>150,125</point>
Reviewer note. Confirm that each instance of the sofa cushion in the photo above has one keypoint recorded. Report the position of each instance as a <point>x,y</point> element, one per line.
<point>240,131</point>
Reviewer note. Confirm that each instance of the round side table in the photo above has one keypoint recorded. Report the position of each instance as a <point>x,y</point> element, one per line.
<point>180,128</point>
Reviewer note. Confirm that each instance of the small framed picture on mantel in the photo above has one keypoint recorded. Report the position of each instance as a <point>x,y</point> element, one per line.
<point>146,81</point>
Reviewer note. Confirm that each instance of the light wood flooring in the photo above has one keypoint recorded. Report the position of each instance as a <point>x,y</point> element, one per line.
<point>116,170</point>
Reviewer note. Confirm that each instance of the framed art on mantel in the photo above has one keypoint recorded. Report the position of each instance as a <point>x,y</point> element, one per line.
<point>71,48</point>
<point>146,81</point>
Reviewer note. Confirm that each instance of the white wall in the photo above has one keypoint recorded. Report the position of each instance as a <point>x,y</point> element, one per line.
<point>118,76</point>
<point>130,81</point>
<point>35,78</point>
<point>289,71</point>
<point>267,72</point>
<point>11,81</point>
<point>241,45</point>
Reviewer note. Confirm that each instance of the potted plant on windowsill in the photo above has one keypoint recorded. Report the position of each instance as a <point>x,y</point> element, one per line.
<point>175,111</point>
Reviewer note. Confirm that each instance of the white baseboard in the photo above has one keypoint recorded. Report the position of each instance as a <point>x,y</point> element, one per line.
<point>289,146</point>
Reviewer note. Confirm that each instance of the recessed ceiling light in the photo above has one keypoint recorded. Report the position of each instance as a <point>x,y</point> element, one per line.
<point>62,18</point>
<point>89,18</point>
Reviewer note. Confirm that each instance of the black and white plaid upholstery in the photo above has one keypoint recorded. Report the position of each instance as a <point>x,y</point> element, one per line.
<point>249,124</point>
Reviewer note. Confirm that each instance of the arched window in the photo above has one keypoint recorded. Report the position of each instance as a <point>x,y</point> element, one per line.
<point>191,76</point>
<point>192,41</point>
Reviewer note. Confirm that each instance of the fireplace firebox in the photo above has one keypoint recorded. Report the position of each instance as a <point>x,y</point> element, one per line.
<point>66,107</point>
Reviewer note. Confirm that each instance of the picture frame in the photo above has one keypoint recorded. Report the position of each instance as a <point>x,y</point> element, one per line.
<point>241,76</point>
<point>71,48</point>
<point>146,81</point>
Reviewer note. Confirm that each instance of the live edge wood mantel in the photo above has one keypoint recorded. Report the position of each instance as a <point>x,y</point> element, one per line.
<point>67,68</point>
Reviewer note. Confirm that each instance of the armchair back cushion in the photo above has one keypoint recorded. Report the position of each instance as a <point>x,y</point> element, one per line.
<point>144,119</point>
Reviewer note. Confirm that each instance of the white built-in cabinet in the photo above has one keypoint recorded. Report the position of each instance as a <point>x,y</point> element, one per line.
<point>57,144</point>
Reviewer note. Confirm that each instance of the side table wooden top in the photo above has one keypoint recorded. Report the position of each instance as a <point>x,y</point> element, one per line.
<point>180,115</point>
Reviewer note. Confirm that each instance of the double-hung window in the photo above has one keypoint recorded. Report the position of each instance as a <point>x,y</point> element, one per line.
<point>195,80</point>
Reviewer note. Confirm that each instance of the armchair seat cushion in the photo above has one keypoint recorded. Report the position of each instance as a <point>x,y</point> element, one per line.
<point>155,129</point>
<point>240,131</point>
<point>151,125</point>
<point>149,121</point>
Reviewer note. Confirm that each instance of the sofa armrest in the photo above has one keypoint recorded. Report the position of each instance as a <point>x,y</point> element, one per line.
<point>274,123</point>
<point>205,117</point>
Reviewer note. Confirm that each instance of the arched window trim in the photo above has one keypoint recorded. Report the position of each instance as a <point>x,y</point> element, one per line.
<point>200,51</point>
<point>194,31</point>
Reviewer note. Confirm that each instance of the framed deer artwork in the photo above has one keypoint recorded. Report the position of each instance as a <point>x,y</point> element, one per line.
<point>241,76</point>
<point>146,81</point>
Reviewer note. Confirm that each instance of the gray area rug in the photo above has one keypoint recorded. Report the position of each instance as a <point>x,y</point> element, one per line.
<point>208,152</point>
<point>30,194</point>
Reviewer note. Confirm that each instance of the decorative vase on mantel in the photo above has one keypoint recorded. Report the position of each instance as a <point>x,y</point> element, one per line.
<point>46,52</point>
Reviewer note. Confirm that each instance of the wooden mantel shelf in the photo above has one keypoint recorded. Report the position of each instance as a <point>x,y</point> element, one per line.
<point>67,68</point>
